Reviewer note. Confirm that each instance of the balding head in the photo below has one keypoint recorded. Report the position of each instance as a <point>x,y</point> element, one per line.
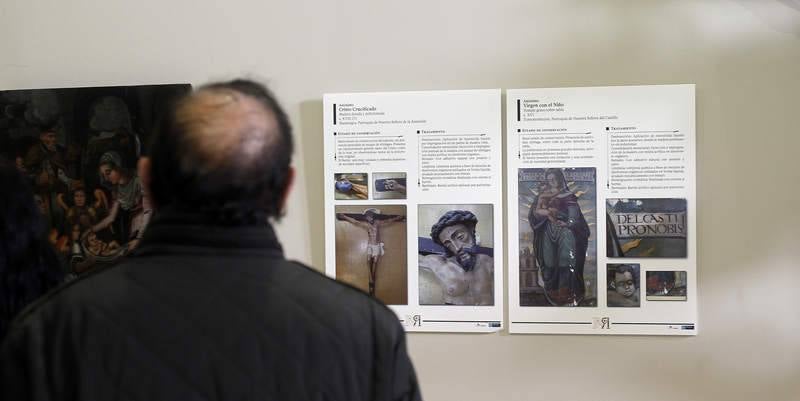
<point>224,129</point>
<point>226,149</point>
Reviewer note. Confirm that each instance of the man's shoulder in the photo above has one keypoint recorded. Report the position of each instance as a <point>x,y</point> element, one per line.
<point>64,299</point>
<point>298,286</point>
<point>338,297</point>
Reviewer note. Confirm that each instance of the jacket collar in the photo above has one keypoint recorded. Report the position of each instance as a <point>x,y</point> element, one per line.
<point>176,228</point>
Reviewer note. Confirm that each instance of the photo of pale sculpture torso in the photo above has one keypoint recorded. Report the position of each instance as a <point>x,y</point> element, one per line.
<point>466,277</point>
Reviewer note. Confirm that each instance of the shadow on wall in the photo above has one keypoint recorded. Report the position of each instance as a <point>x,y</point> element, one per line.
<point>311,142</point>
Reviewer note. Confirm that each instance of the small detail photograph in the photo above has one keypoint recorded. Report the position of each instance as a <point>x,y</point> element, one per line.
<point>622,285</point>
<point>456,255</point>
<point>666,286</point>
<point>646,228</point>
<point>351,186</point>
<point>389,186</point>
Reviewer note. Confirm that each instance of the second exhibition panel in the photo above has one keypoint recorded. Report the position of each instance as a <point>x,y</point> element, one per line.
<point>601,204</point>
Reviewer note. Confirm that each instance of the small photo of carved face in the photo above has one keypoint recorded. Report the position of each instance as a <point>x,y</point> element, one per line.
<point>458,238</point>
<point>625,284</point>
<point>79,197</point>
<point>109,173</point>
<point>48,140</point>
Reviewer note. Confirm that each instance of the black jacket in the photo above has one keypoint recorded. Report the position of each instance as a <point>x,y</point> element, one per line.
<point>206,312</point>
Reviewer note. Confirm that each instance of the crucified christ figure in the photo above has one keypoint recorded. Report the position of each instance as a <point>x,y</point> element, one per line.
<point>375,250</point>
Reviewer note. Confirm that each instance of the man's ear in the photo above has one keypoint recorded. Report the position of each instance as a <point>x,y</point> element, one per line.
<point>287,189</point>
<point>144,169</point>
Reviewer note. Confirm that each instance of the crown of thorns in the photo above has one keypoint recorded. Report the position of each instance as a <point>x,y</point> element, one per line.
<point>451,218</point>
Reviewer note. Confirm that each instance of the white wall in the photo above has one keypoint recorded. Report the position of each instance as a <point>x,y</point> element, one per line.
<point>743,55</point>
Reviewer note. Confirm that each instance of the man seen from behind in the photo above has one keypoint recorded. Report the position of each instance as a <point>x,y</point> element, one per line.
<point>207,307</point>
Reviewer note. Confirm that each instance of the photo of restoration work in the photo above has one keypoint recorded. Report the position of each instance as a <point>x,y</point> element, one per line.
<point>646,228</point>
<point>371,250</point>
<point>350,186</point>
<point>666,286</point>
<point>456,255</point>
<point>79,148</point>
<point>389,185</point>
<point>557,237</point>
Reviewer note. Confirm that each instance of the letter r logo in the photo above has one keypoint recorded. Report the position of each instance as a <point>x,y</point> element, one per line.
<point>603,323</point>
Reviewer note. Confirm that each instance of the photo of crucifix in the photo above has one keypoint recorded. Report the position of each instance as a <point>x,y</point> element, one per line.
<point>383,245</point>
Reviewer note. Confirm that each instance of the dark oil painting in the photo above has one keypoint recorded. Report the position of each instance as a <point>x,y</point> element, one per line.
<point>79,148</point>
